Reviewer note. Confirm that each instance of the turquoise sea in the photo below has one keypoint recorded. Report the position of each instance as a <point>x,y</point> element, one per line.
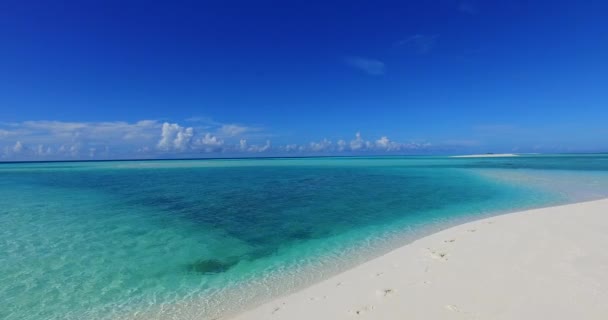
<point>198,239</point>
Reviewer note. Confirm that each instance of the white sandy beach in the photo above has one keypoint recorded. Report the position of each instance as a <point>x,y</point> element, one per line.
<point>549,263</point>
<point>487,155</point>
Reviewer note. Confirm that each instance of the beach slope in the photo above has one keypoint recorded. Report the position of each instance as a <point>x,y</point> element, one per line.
<point>548,263</point>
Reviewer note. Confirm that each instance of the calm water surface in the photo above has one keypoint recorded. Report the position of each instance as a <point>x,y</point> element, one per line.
<point>203,238</point>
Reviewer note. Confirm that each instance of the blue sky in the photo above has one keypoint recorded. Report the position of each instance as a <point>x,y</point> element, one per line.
<point>146,79</point>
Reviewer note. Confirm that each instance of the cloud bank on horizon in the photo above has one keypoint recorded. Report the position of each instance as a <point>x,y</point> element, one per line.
<point>59,140</point>
<point>45,140</point>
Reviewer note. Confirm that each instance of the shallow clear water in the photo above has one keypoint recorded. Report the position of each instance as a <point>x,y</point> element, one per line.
<point>202,238</point>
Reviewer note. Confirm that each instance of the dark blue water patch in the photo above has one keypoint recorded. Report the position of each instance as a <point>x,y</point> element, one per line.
<point>211,266</point>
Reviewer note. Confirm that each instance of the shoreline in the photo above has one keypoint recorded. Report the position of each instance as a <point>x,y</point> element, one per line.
<point>527,264</point>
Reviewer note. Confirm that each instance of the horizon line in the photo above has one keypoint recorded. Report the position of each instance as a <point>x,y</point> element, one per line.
<point>281,157</point>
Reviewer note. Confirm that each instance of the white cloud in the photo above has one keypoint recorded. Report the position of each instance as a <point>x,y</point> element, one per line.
<point>383,144</point>
<point>324,145</point>
<point>211,140</point>
<point>55,140</point>
<point>232,130</point>
<point>5,133</point>
<point>141,129</point>
<point>74,140</point>
<point>41,150</point>
<point>54,131</point>
<point>243,145</point>
<point>43,139</point>
<point>58,127</point>
<point>18,147</point>
<point>209,143</point>
<point>260,148</point>
<point>74,149</point>
<point>175,137</point>
<point>358,143</point>
<point>369,66</point>
<point>292,147</point>
<point>182,141</point>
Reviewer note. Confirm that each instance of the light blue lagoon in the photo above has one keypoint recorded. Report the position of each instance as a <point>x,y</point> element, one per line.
<point>185,238</point>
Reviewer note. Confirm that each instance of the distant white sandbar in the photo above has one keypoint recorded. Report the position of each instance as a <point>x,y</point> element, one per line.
<point>487,155</point>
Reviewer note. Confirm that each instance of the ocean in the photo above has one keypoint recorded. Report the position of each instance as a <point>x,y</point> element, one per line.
<point>201,239</point>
